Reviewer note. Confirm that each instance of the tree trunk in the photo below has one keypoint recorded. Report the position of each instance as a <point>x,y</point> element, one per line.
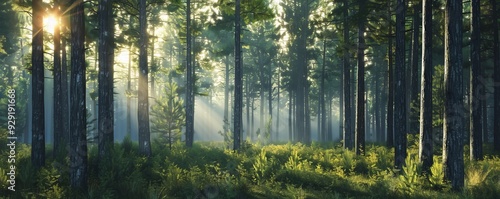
<point>278,105</point>
<point>400,114</point>
<point>37,82</point>
<point>58,124</point>
<point>143,91</point>
<point>226,100</point>
<point>426,142</point>
<point>453,128</point>
<point>129,92</point>
<point>348,136</point>
<point>189,80</point>
<point>476,137</point>
<point>390,95</point>
<point>414,69</point>
<point>322,130</point>
<point>78,116</point>
<point>270,101</point>
<point>496,65</point>
<point>360,97</point>
<point>238,76</point>
<point>105,78</point>
<point>65,99</point>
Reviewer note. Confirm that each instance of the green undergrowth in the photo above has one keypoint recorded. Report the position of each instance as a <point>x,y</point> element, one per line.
<point>272,171</point>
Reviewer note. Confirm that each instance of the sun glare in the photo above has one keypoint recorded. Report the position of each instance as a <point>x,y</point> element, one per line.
<point>49,23</point>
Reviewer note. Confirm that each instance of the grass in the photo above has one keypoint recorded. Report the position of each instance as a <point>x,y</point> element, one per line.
<point>273,171</point>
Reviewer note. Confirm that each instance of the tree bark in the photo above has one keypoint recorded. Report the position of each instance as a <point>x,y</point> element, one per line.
<point>143,92</point>
<point>360,97</point>
<point>454,113</point>
<point>238,76</point>
<point>348,136</point>
<point>476,137</point>
<point>37,82</point>
<point>58,124</point>
<point>189,80</point>
<point>390,100</point>
<point>414,99</point>
<point>78,116</point>
<point>400,114</point>
<point>426,142</point>
<point>105,78</point>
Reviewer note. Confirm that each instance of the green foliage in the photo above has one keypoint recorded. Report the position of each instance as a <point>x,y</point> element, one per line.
<point>436,178</point>
<point>168,115</point>
<point>410,179</point>
<point>207,170</point>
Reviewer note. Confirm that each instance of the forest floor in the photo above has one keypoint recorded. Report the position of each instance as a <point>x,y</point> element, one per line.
<point>272,171</point>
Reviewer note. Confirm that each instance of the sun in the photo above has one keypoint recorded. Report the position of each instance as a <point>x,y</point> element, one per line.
<point>49,23</point>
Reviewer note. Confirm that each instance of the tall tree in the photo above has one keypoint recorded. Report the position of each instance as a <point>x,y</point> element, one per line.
<point>390,95</point>
<point>238,78</point>
<point>78,116</point>
<point>453,126</point>
<point>189,81</point>
<point>143,92</point>
<point>37,82</point>
<point>496,64</point>
<point>476,137</point>
<point>348,133</point>
<point>426,142</point>
<point>414,67</point>
<point>105,78</point>
<point>58,114</point>
<point>360,100</point>
<point>400,87</point>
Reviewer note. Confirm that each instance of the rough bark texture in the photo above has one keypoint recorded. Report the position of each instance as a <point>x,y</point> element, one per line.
<point>414,126</point>
<point>322,127</point>
<point>143,92</point>
<point>400,130</point>
<point>476,133</point>
<point>454,113</point>
<point>37,82</point>
<point>238,78</point>
<point>58,124</point>
<point>360,97</point>
<point>426,142</point>
<point>390,100</point>
<point>129,90</point>
<point>189,81</point>
<point>65,98</point>
<point>348,136</point>
<point>78,116</point>
<point>105,78</point>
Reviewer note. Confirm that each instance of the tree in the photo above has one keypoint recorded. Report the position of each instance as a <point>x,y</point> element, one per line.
<point>168,115</point>
<point>426,142</point>
<point>58,114</point>
<point>189,80</point>
<point>238,79</point>
<point>360,100</point>
<point>414,68</point>
<point>105,78</point>
<point>143,91</point>
<point>390,94</point>
<point>453,128</point>
<point>348,132</point>
<point>78,115</point>
<point>37,82</point>
<point>476,137</point>
<point>399,87</point>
